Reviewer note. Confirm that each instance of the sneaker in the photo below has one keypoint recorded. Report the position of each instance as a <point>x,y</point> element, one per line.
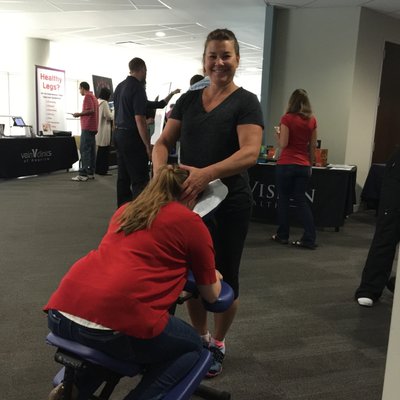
<point>218,354</point>
<point>58,393</point>
<point>365,302</point>
<point>79,178</point>
<point>90,176</point>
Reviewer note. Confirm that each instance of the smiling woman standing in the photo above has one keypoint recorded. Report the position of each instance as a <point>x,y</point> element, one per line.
<point>220,130</point>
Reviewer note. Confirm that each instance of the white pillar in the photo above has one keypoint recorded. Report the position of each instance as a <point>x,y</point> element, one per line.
<point>37,53</point>
<point>267,66</point>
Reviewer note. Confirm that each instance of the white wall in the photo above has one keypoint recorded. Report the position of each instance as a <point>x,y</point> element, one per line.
<point>82,60</point>
<point>337,57</point>
<point>374,30</point>
<point>11,76</point>
<point>315,50</point>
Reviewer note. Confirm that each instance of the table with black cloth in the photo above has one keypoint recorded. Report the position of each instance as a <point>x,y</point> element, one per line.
<point>331,194</point>
<point>22,156</point>
<point>372,187</point>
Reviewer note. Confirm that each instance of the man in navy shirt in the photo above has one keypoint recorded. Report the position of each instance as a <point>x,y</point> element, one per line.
<point>130,136</point>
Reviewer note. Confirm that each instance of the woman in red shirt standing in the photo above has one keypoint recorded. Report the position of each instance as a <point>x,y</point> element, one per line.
<point>116,299</point>
<point>297,138</point>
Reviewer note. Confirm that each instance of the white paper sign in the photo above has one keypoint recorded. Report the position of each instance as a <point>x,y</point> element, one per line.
<point>50,99</point>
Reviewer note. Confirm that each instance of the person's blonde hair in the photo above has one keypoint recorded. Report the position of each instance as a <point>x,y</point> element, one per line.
<point>299,103</point>
<point>161,190</point>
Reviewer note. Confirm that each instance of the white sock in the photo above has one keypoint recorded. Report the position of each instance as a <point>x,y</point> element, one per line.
<point>206,338</point>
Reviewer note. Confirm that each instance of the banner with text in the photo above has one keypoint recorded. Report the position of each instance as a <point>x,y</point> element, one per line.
<point>50,99</point>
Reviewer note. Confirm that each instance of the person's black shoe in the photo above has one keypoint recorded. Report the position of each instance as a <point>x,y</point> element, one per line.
<point>304,245</point>
<point>277,239</point>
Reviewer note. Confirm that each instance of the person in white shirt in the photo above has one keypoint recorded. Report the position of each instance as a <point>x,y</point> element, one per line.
<point>103,137</point>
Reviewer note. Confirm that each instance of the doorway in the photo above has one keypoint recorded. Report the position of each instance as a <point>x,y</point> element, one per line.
<point>387,129</point>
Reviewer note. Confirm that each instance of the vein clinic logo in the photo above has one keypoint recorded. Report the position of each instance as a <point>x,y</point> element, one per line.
<point>36,155</point>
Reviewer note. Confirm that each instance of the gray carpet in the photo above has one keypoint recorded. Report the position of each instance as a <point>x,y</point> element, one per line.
<point>298,334</point>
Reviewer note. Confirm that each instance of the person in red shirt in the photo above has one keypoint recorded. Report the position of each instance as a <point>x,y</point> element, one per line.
<point>297,138</point>
<point>117,298</point>
<point>89,124</point>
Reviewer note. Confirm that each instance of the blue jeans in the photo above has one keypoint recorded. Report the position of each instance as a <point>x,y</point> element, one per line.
<point>88,153</point>
<point>292,181</point>
<point>167,358</point>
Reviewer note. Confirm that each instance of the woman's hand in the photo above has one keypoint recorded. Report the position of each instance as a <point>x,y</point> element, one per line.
<point>219,275</point>
<point>210,293</point>
<point>196,182</point>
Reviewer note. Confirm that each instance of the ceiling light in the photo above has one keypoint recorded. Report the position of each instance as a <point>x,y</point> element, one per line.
<point>160,34</point>
<point>165,5</point>
<point>129,42</point>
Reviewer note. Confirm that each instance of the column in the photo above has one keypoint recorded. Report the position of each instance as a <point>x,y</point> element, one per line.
<point>267,66</point>
<point>37,53</point>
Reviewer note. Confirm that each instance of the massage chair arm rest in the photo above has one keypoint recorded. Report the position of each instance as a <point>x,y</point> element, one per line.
<point>225,298</point>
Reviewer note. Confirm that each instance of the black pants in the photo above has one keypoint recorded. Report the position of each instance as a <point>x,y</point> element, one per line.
<point>133,165</point>
<point>378,265</point>
<point>228,228</point>
<point>102,159</point>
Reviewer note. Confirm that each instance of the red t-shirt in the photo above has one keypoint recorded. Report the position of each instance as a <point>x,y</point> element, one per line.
<point>300,131</point>
<point>90,122</point>
<point>130,281</point>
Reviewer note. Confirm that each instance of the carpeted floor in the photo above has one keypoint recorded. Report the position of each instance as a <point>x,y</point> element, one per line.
<point>298,334</point>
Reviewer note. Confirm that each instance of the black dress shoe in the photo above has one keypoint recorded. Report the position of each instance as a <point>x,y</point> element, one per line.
<point>277,239</point>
